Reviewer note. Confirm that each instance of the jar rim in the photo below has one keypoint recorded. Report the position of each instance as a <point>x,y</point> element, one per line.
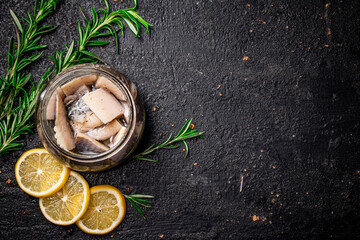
<point>68,75</point>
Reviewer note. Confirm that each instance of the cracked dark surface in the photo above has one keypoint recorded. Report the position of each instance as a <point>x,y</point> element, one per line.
<point>275,85</point>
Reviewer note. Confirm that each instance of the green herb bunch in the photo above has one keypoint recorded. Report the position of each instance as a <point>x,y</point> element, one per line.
<point>103,23</point>
<point>16,104</point>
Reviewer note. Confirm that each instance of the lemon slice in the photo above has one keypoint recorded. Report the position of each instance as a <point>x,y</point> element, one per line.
<point>107,208</point>
<point>69,204</point>
<point>39,174</point>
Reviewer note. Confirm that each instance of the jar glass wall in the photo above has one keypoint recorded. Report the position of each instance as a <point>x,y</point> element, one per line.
<point>115,154</point>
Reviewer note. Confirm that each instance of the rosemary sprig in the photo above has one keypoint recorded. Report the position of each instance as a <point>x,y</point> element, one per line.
<point>139,199</point>
<point>16,104</point>
<point>103,23</point>
<point>185,133</point>
<point>27,41</point>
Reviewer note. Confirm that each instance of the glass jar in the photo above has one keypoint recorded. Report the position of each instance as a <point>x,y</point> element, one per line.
<point>117,153</point>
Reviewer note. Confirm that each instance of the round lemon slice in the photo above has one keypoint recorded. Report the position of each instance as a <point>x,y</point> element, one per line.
<point>69,204</point>
<point>39,174</point>
<point>107,208</point>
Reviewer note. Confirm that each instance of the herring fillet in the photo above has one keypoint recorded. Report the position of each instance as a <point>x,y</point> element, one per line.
<point>105,106</point>
<point>105,131</point>
<point>63,134</point>
<point>127,112</point>
<point>91,121</point>
<point>82,90</point>
<point>120,135</point>
<point>87,143</point>
<point>69,99</point>
<point>71,87</point>
<point>51,107</point>
<point>103,82</point>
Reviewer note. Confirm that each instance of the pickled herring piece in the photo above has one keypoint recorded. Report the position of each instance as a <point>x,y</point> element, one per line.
<point>85,143</point>
<point>63,133</point>
<point>105,131</point>
<point>70,99</point>
<point>119,136</point>
<point>79,127</point>
<point>91,121</point>
<point>103,104</point>
<point>51,107</point>
<point>127,112</point>
<point>71,87</point>
<point>82,90</point>
<point>103,82</point>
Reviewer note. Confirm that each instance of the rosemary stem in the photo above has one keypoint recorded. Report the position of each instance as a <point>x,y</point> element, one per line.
<point>185,133</point>
<point>24,45</point>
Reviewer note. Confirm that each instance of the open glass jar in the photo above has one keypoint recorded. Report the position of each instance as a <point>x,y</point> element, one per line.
<point>90,117</point>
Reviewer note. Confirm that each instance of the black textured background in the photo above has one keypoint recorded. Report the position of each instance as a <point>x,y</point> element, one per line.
<point>275,85</point>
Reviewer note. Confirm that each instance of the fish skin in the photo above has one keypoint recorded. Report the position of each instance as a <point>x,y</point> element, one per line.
<point>63,134</point>
<point>106,131</point>
<point>86,143</point>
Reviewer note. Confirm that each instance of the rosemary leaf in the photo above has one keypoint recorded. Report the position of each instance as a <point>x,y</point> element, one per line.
<point>16,20</point>
<point>139,199</point>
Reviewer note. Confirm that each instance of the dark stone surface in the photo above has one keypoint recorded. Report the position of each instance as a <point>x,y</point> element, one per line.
<point>275,85</point>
